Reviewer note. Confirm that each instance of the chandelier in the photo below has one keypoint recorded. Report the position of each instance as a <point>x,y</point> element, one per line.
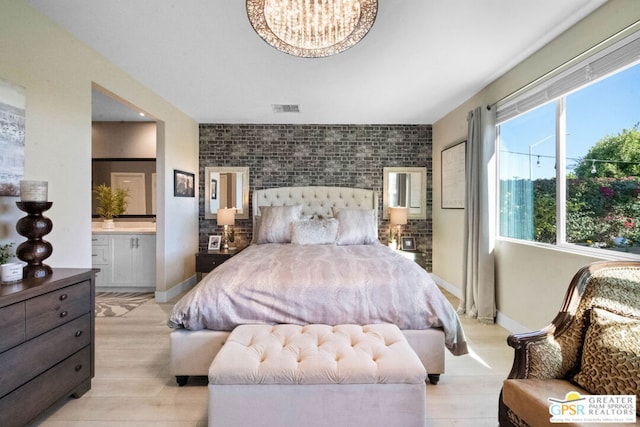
<point>312,28</point>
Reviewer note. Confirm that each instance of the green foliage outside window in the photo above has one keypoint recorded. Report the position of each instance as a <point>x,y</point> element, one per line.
<point>599,211</point>
<point>614,156</point>
<point>603,207</point>
<point>544,210</point>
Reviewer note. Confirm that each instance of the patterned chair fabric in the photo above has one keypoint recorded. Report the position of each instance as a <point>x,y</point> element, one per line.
<point>555,352</point>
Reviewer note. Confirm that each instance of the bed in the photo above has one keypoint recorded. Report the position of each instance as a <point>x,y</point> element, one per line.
<point>315,258</point>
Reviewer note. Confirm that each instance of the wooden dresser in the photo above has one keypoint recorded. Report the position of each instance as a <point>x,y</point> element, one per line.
<point>46,342</point>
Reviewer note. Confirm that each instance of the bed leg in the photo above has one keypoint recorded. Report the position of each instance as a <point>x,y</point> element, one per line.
<point>434,378</point>
<point>181,380</point>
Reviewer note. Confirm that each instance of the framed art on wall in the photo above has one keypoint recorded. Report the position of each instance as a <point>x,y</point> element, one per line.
<point>183,184</point>
<point>453,176</point>
<point>12,125</point>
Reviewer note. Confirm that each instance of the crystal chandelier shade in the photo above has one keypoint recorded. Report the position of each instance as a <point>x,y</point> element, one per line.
<point>312,28</point>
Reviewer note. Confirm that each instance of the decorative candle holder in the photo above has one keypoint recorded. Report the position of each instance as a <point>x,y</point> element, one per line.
<point>33,191</point>
<point>34,226</point>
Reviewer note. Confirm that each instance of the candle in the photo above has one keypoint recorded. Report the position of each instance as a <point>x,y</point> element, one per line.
<point>33,191</point>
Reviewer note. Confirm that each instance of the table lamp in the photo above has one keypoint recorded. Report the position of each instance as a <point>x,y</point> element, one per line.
<point>226,217</point>
<point>398,218</point>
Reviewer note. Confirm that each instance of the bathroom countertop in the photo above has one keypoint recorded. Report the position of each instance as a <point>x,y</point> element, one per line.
<point>125,228</point>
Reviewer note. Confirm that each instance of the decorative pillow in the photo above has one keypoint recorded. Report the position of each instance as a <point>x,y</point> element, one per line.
<point>611,355</point>
<point>356,227</point>
<point>275,223</point>
<point>314,232</point>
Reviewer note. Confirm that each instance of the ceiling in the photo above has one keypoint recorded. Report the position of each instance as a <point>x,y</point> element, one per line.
<point>421,59</point>
<point>105,108</point>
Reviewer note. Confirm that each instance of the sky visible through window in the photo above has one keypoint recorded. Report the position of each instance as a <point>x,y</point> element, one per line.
<point>602,109</point>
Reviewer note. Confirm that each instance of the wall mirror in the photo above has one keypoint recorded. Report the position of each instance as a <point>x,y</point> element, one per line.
<point>226,187</point>
<point>406,187</point>
<point>139,175</point>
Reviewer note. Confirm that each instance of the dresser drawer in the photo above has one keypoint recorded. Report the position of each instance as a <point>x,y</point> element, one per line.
<point>12,329</point>
<point>42,392</point>
<point>100,239</point>
<point>42,352</point>
<point>58,307</point>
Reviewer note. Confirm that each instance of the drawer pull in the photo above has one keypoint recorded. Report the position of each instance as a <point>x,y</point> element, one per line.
<point>78,368</point>
<point>78,333</point>
<point>63,297</point>
<point>64,314</point>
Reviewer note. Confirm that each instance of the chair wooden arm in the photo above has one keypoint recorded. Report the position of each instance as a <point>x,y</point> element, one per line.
<point>521,344</point>
<point>553,351</point>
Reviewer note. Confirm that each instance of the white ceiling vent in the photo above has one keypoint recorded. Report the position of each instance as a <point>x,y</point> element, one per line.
<point>285,108</point>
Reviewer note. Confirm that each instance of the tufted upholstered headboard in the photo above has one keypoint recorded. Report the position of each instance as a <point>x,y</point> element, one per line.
<point>316,200</point>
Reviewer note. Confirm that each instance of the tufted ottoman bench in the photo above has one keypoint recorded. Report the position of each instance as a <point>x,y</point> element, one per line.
<point>317,375</point>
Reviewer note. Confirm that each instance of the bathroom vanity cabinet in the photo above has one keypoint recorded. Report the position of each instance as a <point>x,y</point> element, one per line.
<point>127,261</point>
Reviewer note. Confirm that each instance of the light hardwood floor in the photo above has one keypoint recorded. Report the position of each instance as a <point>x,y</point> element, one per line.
<point>132,386</point>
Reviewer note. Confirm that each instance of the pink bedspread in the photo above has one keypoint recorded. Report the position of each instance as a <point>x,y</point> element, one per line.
<point>327,284</point>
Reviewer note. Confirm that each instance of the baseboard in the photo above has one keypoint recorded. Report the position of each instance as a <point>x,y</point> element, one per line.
<point>510,324</point>
<point>501,319</point>
<point>169,294</point>
<point>446,285</point>
<point>125,289</point>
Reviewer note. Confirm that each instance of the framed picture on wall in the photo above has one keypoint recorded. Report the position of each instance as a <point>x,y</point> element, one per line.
<point>12,123</point>
<point>183,184</point>
<point>453,166</point>
<point>214,243</point>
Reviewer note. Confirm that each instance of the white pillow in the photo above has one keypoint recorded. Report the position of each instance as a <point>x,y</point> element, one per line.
<point>356,227</point>
<point>314,232</point>
<point>275,223</point>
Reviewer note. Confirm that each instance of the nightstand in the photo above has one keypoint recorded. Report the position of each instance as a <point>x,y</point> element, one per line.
<point>208,260</point>
<point>415,256</point>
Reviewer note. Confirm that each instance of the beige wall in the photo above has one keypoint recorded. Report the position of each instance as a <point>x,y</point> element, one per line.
<point>57,72</point>
<point>135,140</point>
<point>531,280</point>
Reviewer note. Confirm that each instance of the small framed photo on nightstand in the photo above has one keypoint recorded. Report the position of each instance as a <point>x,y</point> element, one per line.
<point>214,243</point>
<point>408,244</point>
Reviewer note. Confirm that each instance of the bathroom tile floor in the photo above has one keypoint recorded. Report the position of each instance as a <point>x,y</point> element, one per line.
<point>133,387</point>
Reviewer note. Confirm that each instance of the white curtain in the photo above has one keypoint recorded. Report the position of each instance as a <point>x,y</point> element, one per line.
<point>478,290</point>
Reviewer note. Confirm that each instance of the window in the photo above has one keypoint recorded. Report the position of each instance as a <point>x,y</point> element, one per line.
<point>569,156</point>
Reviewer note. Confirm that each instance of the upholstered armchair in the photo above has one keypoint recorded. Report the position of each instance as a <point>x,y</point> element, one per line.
<point>591,347</point>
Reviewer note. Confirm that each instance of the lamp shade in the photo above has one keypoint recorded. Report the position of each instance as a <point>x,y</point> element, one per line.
<point>398,215</point>
<point>226,216</point>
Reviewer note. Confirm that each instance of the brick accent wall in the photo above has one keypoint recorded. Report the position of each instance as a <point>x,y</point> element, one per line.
<point>323,155</point>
